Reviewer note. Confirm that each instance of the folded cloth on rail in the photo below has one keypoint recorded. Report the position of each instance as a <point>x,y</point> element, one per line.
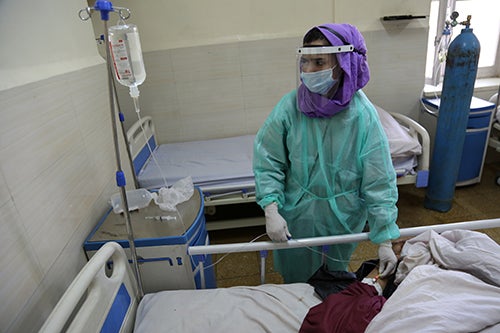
<point>404,165</point>
<point>401,143</point>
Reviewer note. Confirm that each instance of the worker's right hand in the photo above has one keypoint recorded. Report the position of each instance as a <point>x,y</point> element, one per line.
<point>388,260</point>
<point>276,227</point>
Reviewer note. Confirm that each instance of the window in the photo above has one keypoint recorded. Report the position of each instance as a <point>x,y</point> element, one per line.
<point>485,23</point>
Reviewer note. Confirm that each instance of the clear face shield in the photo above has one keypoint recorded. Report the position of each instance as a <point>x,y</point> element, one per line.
<point>318,69</point>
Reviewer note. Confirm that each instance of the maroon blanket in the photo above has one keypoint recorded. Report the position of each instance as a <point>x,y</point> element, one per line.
<point>349,311</point>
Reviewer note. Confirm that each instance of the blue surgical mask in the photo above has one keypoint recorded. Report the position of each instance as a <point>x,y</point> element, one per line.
<point>319,82</point>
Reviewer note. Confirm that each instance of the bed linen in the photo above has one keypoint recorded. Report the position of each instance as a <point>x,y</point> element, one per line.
<point>403,147</point>
<point>264,308</point>
<point>450,282</point>
<point>401,143</point>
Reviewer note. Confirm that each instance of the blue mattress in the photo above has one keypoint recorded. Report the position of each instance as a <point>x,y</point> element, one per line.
<point>216,165</point>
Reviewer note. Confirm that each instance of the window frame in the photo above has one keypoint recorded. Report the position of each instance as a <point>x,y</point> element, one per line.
<point>445,7</point>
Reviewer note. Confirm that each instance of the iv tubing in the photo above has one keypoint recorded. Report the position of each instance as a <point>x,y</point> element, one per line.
<point>152,154</point>
<point>351,238</point>
<point>123,192</point>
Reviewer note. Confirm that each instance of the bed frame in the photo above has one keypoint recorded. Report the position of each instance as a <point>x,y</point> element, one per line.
<point>494,139</point>
<point>101,299</point>
<point>417,131</point>
<point>142,140</point>
<point>98,300</point>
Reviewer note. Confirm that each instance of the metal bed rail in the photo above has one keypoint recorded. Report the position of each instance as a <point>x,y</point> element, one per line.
<point>265,246</point>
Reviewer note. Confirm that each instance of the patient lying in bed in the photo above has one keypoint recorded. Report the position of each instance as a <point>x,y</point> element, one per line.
<point>456,288</point>
<point>450,283</point>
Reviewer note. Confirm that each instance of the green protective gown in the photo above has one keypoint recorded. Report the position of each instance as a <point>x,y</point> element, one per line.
<point>329,176</point>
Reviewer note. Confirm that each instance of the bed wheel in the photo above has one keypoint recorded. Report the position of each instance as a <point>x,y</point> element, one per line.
<point>210,210</point>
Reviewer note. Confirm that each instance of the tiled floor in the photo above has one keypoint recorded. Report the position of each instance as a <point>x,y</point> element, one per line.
<point>474,202</point>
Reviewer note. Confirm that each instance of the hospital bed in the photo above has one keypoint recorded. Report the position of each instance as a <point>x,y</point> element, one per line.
<point>222,168</point>
<point>455,289</point>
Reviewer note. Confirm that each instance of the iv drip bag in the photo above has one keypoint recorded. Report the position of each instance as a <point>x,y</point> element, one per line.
<point>126,54</point>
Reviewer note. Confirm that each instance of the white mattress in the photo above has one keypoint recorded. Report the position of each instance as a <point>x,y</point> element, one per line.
<point>265,308</point>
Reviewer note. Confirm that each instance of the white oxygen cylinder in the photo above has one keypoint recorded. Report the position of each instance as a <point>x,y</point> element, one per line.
<point>126,53</point>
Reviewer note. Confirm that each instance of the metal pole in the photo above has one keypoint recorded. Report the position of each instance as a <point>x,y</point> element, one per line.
<point>124,133</point>
<point>327,240</point>
<point>105,7</point>
<point>120,178</point>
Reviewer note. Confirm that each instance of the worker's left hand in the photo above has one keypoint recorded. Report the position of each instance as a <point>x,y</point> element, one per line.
<point>388,259</point>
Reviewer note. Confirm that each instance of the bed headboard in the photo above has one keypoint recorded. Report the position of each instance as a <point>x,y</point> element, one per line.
<point>141,133</point>
<point>102,297</point>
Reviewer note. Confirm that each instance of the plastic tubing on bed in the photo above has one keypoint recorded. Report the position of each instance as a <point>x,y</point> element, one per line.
<point>317,241</point>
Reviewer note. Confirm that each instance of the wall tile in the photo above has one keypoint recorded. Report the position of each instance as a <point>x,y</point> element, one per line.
<point>397,65</point>
<point>88,91</point>
<point>57,169</point>
<point>35,143</point>
<point>20,273</point>
<point>228,89</point>
<point>267,89</point>
<point>211,62</point>
<point>4,191</point>
<point>264,57</point>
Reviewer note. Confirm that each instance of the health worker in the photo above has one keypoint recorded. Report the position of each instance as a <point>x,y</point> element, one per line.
<point>321,160</point>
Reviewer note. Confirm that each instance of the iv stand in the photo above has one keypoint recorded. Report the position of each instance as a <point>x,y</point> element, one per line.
<point>105,7</point>
<point>124,133</point>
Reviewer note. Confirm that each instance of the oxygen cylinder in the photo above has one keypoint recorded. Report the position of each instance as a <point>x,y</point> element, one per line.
<point>458,88</point>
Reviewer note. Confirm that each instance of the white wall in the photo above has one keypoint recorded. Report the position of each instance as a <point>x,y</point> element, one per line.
<point>42,39</point>
<point>56,154</point>
<point>175,24</point>
<point>213,67</point>
<point>225,81</point>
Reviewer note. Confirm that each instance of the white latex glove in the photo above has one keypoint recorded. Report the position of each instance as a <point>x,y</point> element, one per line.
<point>388,259</point>
<point>276,227</point>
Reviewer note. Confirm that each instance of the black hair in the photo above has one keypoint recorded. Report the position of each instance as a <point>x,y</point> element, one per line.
<point>313,35</point>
